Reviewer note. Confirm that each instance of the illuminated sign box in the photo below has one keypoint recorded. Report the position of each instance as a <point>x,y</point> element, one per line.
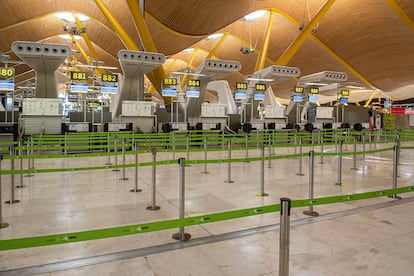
<point>298,89</point>
<point>6,85</point>
<point>343,100</point>
<point>193,93</point>
<point>109,78</point>
<point>313,99</point>
<point>169,92</point>
<point>109,89</point>
<point>240,95</point>
<point>6,72</point>
<point>258,96</point>
<point>314,90</point>
<point>260,87</point>
<point>79,88</point>
<point>241,85</point>
<point>297,98</point>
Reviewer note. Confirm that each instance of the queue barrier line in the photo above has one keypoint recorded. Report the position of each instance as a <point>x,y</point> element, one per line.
<point>71,237</point>
<point>162,162</point>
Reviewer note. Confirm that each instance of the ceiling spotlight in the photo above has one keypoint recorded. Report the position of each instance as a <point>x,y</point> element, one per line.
<point>314,30</point>
<point>301,27</point>
<point>246,50</point>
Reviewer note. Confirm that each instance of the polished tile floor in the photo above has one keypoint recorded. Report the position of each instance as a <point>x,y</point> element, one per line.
<point>374,242</point>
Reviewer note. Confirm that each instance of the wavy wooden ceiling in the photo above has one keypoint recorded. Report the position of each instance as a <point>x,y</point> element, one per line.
<point>369,36</point>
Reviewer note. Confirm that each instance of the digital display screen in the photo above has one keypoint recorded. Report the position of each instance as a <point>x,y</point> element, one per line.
<point>297,98</point>
<point>78,75</point>
<point>314,90</point>
<point>6,72</point>
<point>345,93</point>
<point>79,88</point>
<point>258,96</point>
<point>109,78</point>
<point>298,89</point>
<point>109,89</point>
<point>260,87</point>
<point>193,83</point>
<point>241,85</point>
<point>6,85</point>
<point>313,99</point>
<point>170,81</point>
<point>343,100</point>
<point>193,93</point>
<point>240,95</point>
<point>169,92</point>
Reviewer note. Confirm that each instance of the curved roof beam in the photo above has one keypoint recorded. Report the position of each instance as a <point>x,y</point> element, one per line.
<point>401,13</point>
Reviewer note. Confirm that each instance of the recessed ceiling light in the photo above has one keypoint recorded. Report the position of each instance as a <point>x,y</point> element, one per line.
<point>69,38</point>
<point>188,50</point>
<point>254,15</point>
<point>214,36</point>
<point>69,18</point>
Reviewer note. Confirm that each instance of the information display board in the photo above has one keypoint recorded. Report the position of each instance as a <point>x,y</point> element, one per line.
<point>313,98</point>
<point>258,96</point>
<point>138,108</point>
<point>6,85</point>
<point>297,98</point>
<point>169,87</point>
<point>109,89</point>
<point>213,110</point>
<point>42,106</point>
<point>78,88</point>
<point>240,95</point>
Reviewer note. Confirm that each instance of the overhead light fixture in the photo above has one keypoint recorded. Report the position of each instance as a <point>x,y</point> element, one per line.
<point>315,83</point>
<point>69,18</point>
<point>214,36</point>
<point>69,38</point>
<point>258,79</point>
<point>188,50</point>
<point>254,16</point>
<point>187,73</point>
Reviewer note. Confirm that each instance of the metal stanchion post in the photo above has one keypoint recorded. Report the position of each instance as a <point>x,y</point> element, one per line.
<point>21,165</point>
<point>284,239</point>
<point>322,153</point>
<point>296,141</point>
<point>115,156</point>
<point>363,147</point>
<point>12,199</point>
<point>187,149</point>
<point>123,160</point>
<point>32,153</point>
<point>108,150</point>
<point>262,161</point>
<point>28,158</point>
<point>136,190</point>
<point>300,158</point>
<point>354,167</point>
<point>247,149</point>
<point>229,164</point>
<point>395,172</point>
<point>181,235</point>
<point>339,163</point>
<point>173,144</point>
<point>310,211</point>
<point>153,206</point>
<point>205,155</point>
<point>270,156</point>
<point>2,224</point>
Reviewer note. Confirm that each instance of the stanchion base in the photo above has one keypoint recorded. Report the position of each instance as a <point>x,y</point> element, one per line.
<point>205,172</point>
<point>395,197</point>
<point>115,170</point>
<point>3,225</point>
<point>261,194</point>
<point>20,186</point>
<point>12,201</point>
<point>28,175</point>
<point>356,169</point>
<point>135,190</point>
<point>123,178</point>
<point>228,181</point>
<point>177,236</point>
<point>300,174</point>
<point>153,208</point>
<point>311,213</point>
<point>108,164</point>
<point>339,184</point>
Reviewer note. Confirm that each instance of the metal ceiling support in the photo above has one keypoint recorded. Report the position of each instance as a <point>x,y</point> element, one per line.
<point>217,46</point>
<point>146,40</point>
<point>265,45</point>
<point>126,39</point>
<point>298,42</point>
<point>401,13</point>
<point>344,63</point>
<point>367,103</point>
<point>189,64</point>
<point>85,36</point>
